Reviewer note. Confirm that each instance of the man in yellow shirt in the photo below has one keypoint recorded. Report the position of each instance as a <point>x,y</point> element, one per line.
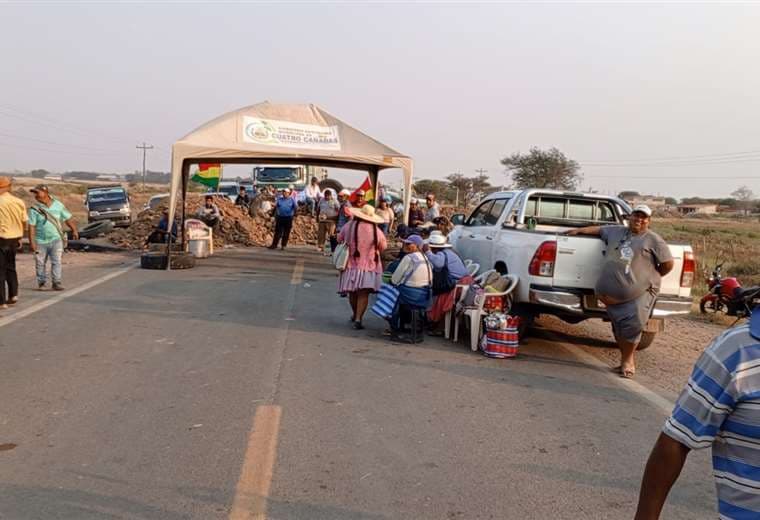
<point>13,220</point>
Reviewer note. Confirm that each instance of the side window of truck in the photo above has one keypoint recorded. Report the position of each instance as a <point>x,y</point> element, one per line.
<point>605,213</point>
<point>478,217</point>
<point>495,212</point>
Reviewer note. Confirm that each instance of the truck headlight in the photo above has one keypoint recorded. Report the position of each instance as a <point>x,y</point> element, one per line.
<point>94,213</point>
<point>124,210</point>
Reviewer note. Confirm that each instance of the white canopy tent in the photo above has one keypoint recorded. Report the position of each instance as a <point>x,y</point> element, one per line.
<point>270,133</point>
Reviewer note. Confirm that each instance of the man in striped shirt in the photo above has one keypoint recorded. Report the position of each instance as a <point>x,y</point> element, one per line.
<point>720,407</point>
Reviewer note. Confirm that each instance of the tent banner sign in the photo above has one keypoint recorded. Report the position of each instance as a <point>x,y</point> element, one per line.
<point>271,132</point>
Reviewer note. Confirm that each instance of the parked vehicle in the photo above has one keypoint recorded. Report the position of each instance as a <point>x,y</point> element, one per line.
<point>108,203</point>
<point>156,200</point>
<point>295,177</point>
<point>230,189</point>
<point>727,295</point>
<point>522,232</point>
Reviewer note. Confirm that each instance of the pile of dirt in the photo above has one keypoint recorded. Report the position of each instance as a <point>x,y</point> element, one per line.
<point>237,227</point>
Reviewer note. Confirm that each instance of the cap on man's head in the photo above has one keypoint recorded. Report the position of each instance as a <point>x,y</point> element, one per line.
<point>344,191</point>
<point>360,193</point>
<point>643,208</point>
<point>414,239</point>
<point>40,187</point>
<point>413,201</point>
<point>286,190</point>
<point>5,182</point>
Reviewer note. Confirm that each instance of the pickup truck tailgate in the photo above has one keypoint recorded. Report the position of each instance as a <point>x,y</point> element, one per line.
<point>578,261</point>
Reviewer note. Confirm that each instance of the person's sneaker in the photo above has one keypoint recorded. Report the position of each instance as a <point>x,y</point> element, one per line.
<point>13,301</point>
<point>40,285</point>
<point>57,287</point>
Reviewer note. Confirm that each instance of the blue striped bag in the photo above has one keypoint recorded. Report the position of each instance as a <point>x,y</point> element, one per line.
<point>387,298</point>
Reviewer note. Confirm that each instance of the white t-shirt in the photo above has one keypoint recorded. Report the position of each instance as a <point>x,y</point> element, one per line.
<point>312,191</point>
<point>422,275</point>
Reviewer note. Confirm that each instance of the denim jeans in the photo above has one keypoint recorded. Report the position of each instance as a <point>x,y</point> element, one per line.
<point>53,251</point>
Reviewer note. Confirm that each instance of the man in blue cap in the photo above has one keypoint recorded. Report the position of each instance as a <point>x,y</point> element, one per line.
<point>720,407</point>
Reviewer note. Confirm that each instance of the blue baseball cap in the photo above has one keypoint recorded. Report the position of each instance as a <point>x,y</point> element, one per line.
<point>414,239</point>
<point>754,323</point>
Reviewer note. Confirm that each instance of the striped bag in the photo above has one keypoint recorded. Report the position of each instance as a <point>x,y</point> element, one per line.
<point>501,343</point>
<point>387,298</point>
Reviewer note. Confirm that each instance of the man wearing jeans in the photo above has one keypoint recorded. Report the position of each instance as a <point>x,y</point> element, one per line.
<point>46,219</point>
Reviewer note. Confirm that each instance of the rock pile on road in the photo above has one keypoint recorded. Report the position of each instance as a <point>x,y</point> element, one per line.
<point>237,227</point>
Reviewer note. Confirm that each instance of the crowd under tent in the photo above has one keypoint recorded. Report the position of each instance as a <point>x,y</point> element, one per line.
<point>283,134</point>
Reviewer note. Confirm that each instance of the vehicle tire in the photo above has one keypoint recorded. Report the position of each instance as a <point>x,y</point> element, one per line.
<point>155,260</point>
<point>647,338</point>
<point>332,184</point>
<point>94,229</point>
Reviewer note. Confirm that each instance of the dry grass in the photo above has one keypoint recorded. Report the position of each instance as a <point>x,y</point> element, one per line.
<point>734,242</point>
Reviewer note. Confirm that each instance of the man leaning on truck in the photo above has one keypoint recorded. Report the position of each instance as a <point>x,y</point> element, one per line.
<point>636,259</point>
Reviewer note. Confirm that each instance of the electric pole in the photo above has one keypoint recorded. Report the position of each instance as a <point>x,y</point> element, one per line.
<point>481,171</point>
<point>456,203</point>
<point>144,149</point>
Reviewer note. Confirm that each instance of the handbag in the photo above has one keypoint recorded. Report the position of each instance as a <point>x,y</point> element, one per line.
<point>442,282</point>
<point>387,298</point>
<point>340,256</point>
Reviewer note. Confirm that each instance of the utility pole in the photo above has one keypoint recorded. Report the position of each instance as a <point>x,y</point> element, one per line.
<point>481,171</point>
<point>456,203</point>
<point>144,149</point>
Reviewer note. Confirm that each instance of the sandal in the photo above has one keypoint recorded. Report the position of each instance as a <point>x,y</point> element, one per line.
<point>358,325</point>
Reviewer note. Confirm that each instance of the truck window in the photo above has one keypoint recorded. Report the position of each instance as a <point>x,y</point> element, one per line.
<point>551,208</point>
<point>495,212</point>
<point>605,212</point>
<point>478,217</point>
<point>581,210</point>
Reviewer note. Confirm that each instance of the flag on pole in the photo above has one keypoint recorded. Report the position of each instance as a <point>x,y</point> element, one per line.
<point>369,193</point>
<point>208,174</point>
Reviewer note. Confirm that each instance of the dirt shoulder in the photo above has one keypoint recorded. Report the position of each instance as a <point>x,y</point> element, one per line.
<point>72,260</point>
<point>666,365</point>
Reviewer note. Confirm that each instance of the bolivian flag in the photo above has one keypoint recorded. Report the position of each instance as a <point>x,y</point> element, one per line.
<point>208,174</point>
<point>369,193</point>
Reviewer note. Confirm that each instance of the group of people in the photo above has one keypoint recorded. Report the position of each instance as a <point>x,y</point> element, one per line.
<point>425,274</point>
<point>44,224</point>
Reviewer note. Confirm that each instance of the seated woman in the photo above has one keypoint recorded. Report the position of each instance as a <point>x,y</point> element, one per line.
<point>448,271</point>
<point>413,278</point>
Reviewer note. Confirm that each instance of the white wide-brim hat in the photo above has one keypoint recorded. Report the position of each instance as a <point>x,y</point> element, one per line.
<point>437,239</point>
<point>367,213</point>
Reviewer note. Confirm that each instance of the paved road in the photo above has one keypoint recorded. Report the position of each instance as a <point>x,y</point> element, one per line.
<point>178,395</point>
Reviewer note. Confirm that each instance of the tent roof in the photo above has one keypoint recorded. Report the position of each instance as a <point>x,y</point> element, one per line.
<point>291,132</point>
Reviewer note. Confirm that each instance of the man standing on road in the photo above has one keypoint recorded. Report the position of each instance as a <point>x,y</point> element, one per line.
<point>46,235</point>
<point>718,408</point>
<point>636,259</point>
<point>327,216</point>
<point>284,211</point>
<point>12,223</point>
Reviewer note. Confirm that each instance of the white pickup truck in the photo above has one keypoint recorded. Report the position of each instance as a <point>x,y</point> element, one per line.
<point>522,232</point>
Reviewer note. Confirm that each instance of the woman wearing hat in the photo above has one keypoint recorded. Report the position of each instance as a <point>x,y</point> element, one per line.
<point>448,271</point>
<point>364,272</point>
<point>413,278</point>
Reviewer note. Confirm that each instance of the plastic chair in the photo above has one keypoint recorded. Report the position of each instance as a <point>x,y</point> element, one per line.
<point>461,291</point>
<point>472,268</point>
<point>198,230</point>
<point>475,313</point>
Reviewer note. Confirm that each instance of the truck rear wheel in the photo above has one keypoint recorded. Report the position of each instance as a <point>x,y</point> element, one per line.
<point>647,338</point>
<point>332,184</point>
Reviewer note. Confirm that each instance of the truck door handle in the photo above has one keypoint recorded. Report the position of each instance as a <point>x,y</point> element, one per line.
<point>489,238</point>
<point>472,236</point>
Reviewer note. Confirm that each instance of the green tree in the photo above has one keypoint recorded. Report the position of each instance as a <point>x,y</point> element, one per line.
<point>670,201</point>
<point>441,189</point>
<point>462,186</point>
<point>543,169</point>
<point>39,174</point>
<point>628,195</point>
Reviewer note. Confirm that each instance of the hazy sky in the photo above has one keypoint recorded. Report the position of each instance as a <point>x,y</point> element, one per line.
<point>456,86</point>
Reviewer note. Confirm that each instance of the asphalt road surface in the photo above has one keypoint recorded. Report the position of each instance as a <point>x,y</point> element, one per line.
<point>238,390</point>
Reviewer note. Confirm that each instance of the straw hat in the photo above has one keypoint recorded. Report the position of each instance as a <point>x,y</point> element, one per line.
<point>5,182</point>
<point>367,213</point>
<point>437,239</point>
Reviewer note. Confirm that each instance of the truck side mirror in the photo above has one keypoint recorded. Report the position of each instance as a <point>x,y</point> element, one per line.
<point>457,219</point>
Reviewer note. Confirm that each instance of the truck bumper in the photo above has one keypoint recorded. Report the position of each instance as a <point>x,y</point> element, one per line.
<point>118,218</point>
<point>578,302</point>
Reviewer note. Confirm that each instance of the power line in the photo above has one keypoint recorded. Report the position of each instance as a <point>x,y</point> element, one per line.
<point>689,178</point>
<point>14,136</point>
<point>677,158</point>
<point>705,162</point>
<point>73,152</point>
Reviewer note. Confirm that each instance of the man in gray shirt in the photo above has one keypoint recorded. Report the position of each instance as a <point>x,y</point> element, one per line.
<point>636,259</point>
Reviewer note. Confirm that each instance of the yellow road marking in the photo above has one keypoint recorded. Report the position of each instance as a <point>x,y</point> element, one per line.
<point>258,466</point>
<point>297,277</point>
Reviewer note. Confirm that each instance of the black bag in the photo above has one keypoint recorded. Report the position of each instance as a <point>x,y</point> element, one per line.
<point>442,282</point>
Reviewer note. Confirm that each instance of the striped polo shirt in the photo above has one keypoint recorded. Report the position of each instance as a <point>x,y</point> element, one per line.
<point>720,407</point>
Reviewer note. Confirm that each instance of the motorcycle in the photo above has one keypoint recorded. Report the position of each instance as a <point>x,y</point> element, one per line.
<point>728,296</point>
